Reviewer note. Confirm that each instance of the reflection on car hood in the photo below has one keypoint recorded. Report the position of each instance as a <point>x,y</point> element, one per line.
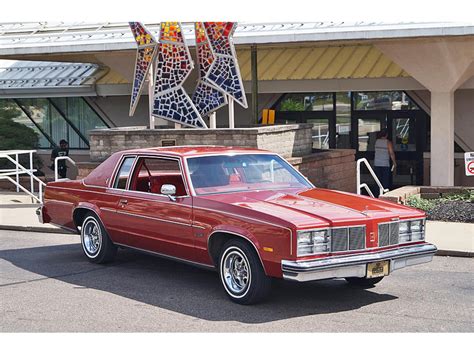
<point>316,206</point>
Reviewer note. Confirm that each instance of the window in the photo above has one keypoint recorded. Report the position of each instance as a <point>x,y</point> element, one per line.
<point>123,173</point>
<point>246,172</point>
<point>152,173</point>
<point>383,100</point>
<point>54,119</point>
<point>307,102</point>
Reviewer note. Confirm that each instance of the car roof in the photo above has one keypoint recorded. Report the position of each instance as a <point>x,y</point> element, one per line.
<point>197,150</point>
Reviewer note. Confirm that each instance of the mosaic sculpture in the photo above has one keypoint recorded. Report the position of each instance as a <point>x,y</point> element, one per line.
<point>146,51</point>
<point>206,97</point>
<point>173,66</point>
<point>224,71</point>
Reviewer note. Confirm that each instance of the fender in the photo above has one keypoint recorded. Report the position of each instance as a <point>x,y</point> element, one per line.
<point>88,206</point>
<point>240,232</point>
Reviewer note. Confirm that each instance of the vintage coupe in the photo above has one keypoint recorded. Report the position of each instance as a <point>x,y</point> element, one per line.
<point>245,212</point>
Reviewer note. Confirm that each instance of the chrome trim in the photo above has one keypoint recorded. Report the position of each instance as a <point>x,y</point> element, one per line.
<point>117,169</point>
<point>159,156</point>
<point>193,191</point>
<point>145,217</point>
<point>39,213</point>
<point>330,229</point>
<point>239,235</point>
<point>165,256</point>
<point>90,209</point>
<point>59,201</point>
<point>353,265</point>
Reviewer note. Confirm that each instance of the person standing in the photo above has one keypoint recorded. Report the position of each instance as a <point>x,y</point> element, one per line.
<point>61,151</point>
<point>383,153</point>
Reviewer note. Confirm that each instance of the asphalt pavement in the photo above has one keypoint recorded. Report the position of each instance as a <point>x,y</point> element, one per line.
<point>47,285</point>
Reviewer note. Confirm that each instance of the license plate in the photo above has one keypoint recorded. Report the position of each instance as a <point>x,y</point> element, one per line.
<point>380,268</point>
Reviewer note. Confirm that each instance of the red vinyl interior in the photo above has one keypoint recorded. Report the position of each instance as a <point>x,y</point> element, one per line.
<point>153,183</point>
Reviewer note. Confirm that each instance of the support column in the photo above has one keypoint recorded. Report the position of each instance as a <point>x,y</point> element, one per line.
<point>442,138</point>
<point>253,63</point>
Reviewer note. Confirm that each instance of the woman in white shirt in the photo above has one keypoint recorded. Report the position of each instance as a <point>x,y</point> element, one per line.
<point>383,153</point>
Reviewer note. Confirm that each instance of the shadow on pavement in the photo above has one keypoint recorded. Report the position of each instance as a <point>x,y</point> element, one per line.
<point>185,289</point>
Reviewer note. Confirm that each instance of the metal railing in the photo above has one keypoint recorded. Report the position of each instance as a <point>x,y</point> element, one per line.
<point>56,177</point>
<point>6,174</point>
<point>360,185</point>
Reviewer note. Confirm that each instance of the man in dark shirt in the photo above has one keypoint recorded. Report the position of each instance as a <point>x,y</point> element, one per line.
<point>61,151</point>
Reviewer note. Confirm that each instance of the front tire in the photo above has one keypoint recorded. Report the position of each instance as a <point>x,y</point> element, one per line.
<point>362,282</point>
<point>95,241</point>
<point>242,273</point>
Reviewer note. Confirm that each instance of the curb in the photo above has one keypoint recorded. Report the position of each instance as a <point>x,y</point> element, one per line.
<point>35,229</point>
<point>454,253</point>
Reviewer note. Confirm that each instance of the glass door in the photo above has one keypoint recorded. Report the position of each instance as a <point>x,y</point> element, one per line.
<point>405,132</point>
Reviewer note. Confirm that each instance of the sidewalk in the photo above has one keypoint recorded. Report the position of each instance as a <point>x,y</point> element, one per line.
<point>18,213</point>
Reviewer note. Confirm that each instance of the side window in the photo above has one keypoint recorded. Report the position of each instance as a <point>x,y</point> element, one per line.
<point>123,173</point>
<point>152,173</point>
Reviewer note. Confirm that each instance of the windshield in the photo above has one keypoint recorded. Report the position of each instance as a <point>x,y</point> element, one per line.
<point>232,173</point>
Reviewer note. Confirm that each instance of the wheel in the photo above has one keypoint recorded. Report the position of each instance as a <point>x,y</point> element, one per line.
<point>242,273</point>
<point>95,241</point>
<point>363,282</point>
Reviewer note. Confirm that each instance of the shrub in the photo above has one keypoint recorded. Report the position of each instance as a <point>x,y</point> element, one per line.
<point>14,135</point>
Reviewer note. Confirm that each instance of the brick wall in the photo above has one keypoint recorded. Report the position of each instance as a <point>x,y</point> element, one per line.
<point>332,169</point>
<point>286,140</point>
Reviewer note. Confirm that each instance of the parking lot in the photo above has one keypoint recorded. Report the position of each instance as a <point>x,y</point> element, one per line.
<point>48,285</point>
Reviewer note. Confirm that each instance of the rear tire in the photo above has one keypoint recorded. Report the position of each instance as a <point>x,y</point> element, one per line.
<point>95,241</point>
<point>242,273</point>
<point>362,282</point>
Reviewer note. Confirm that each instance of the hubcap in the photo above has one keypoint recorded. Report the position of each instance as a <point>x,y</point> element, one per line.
<point>236,272</point>
<point>92,237</point>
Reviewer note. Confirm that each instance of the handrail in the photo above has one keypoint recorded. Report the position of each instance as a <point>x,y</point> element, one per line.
<point>382,190</point>
<point>56,178</point>
<point>19,170</point>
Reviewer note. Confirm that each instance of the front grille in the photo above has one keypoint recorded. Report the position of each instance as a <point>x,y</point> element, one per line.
<point>352,238</point>
<point>388,234</point>
<point>339,239</point>
<point>356,238</point>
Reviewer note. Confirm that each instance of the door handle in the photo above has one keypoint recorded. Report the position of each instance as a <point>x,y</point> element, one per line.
<point>123,202</point>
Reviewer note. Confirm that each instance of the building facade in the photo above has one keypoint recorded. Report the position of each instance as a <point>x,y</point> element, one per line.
<point>348,80</point>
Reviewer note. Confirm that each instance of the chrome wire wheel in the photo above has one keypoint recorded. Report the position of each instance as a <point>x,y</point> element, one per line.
<point>91,237</point>
<point>235,271</point>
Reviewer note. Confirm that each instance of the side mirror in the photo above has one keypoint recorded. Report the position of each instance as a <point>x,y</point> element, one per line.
<point>169,190</point>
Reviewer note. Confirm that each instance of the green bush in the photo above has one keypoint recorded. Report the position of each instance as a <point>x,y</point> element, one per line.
<point>421,203</point>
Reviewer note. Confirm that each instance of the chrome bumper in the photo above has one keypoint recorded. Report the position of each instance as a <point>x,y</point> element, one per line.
<point>39,213</point>
<point>356,265</point>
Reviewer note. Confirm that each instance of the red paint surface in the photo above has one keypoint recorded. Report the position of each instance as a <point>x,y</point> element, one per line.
<point>182,228</point>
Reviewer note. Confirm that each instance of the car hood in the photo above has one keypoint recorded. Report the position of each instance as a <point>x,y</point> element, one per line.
<point>316,206</point>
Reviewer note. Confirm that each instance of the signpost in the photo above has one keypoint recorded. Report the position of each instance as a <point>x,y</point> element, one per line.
<point>469,163</point>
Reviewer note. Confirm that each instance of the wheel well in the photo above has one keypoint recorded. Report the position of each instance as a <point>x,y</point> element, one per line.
<point>217,241</point>
<point>79,216</point>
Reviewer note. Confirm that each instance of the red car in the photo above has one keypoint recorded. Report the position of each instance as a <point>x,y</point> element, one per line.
<point>245,212</point>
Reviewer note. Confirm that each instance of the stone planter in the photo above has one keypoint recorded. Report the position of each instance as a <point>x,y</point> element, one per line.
<point>451,238</point>
<point>294,140</point>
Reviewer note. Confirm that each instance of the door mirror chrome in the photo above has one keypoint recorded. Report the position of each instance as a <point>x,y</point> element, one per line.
<point>169,190</point>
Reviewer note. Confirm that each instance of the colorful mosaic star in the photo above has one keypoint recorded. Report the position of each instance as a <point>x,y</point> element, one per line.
<point>147,48</point>
<point>174,64</point>
<point>224,71</point>
<point>206,97</point>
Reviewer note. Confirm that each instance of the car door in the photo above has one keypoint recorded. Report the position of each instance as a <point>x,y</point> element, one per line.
<point>154,221</point>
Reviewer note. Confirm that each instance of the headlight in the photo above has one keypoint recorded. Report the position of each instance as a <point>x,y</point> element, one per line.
<point>412,231</point>
<point>313,242</point>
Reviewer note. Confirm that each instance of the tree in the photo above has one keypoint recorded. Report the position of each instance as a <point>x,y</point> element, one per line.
<point>14,135</point>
